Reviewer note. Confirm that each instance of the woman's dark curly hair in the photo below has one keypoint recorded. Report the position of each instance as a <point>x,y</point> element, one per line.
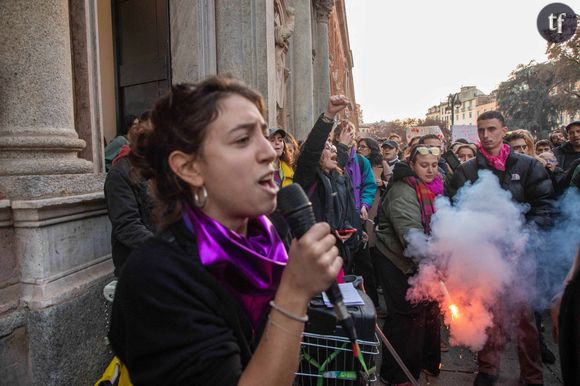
<point>375,158</point>
<point>180,123</point>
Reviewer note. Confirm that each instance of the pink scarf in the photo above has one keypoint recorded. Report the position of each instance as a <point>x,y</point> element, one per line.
<point>426,194</point>
<point>496,161</point>
<point>436,186</point>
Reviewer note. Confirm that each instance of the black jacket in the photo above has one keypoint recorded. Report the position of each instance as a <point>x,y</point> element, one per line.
<point>566,155</point>
<point>331,194</point>
<point>172,323</point>
<point>565,179</point>
<point>323,188</point>
<point>129,207</point>
<point>569,331</point>
<point>525,178</point>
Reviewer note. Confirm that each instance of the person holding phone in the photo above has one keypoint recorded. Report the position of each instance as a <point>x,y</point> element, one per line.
<point>413,329</point>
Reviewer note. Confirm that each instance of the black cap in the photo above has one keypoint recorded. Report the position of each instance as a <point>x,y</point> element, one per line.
<point>274,130</point>
<point>573,123</point>
<point>391,144</point>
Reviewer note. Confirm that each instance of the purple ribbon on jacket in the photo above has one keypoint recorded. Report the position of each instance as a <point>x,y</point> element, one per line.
<point>250,267</point>
<point>353,170</point>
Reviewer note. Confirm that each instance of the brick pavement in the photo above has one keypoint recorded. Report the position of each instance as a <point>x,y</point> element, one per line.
<point>459,366</point>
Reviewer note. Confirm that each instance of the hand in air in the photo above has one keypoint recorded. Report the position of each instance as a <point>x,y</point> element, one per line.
<point>336,103</point>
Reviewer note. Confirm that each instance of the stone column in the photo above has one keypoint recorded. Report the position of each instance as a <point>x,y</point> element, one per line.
<point>193,40</point>
<point>54,232</point>
<point>302,74</point>
<point>321,61</point>
<point>245,42</point>
<point>37,134</point>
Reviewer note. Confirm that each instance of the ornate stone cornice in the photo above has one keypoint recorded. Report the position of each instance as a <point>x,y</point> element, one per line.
<point>323,9</point>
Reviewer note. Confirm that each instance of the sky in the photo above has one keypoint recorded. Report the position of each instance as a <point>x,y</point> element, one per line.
<point>409,55</point>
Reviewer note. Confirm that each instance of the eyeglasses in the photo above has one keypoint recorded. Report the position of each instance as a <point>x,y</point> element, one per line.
<point>363,147</point>
<point>424,150</point>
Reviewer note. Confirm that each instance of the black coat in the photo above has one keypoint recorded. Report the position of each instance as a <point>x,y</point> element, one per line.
<point>129,207</point>
<point>172,322</point>
<point>331,194</point>
<point>323,188</point>
<point>569,332</point>
<point>566,155</point>
<point>525,178</point>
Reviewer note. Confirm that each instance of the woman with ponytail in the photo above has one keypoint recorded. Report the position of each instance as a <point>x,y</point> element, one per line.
<point>214,298</point>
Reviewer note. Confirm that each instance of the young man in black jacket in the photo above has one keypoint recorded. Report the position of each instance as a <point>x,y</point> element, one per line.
<point>569,151</point>
<point>528,182</point>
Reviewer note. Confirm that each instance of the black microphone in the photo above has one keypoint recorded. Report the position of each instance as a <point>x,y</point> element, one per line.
<point>297,210</point>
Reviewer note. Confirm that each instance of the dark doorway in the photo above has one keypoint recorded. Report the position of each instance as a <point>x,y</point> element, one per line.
<point>142,56</point>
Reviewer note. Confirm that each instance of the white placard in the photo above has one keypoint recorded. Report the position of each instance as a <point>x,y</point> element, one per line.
<point>468,132</point>
<point>422,130</point>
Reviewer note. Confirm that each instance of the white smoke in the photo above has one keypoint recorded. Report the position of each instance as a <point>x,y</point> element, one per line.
<point>556,248</point>
<point>477,248</point>
<point>484,252</point>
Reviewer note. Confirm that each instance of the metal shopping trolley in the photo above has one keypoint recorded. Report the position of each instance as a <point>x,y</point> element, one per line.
<point>327,360</point>
<point>326,356</point>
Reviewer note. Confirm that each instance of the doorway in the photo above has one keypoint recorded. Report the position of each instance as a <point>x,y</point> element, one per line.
<point>142,56</point>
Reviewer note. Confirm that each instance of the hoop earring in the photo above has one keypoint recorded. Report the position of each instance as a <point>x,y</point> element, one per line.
<point>198,201</point>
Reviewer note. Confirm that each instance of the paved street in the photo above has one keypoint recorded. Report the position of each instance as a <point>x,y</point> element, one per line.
<point>459,366</point>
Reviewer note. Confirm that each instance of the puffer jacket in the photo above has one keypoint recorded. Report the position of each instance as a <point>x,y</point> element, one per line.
<point>566,155</point>
<point>399,213</point>
<point>525,178</point>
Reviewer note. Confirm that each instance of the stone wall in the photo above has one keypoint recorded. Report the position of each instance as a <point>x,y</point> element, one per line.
<point>54,231</point>
<point>341,63</point>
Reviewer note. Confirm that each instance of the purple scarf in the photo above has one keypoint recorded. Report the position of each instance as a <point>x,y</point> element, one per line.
<point>250,267</point>
<point>353,170</point>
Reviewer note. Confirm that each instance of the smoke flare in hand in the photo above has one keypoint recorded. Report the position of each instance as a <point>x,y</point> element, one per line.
<point>453,309</point>
<point>474,247</point>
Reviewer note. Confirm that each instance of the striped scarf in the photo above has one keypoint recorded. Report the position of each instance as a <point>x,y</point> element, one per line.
<point>426,199</point>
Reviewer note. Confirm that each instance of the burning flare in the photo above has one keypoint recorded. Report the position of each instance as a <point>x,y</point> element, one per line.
<point>454,311</point>
<point>452,307</point>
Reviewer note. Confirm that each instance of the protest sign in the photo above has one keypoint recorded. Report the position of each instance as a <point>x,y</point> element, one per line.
<point>422,130</point>
<point>468,132</point>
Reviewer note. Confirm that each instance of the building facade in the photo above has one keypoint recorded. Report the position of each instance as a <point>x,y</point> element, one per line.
<point>73,74</point>
<point>471,103</point>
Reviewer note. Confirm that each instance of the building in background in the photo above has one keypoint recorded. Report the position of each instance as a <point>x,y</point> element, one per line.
<point>74,73</point>
<point>341,61</point>
<point>471,103</point>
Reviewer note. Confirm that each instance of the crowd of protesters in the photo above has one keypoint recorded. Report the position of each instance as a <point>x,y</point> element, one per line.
<point>211,165</point>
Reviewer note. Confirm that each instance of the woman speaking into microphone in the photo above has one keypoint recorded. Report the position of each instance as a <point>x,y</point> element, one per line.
<point>215,299</point>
